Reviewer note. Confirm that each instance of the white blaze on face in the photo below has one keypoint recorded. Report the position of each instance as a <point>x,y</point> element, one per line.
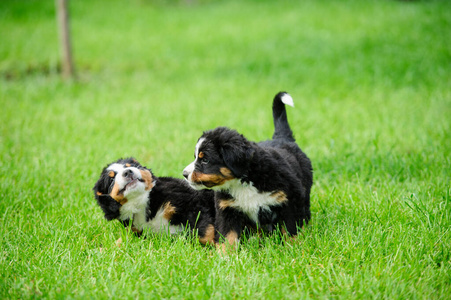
<point>116,168</point>
<point>190,168</point>
<point>121,181</point>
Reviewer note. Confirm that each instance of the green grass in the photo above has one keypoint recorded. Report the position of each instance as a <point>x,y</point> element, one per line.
<point>371,84</point>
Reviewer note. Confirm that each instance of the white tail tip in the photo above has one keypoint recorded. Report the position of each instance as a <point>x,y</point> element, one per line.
<point>286,99</point>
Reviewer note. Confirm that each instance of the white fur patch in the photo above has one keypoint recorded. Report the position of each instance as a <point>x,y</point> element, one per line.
<point>115,167</point>
<point>159,224</point>
<point>190,168</point>
<point>134,188</point>
<point>136,206</point>
<point>287,99</point>
<point>248,199</point>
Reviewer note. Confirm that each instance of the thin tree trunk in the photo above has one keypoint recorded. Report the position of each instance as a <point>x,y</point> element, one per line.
<point>67,65</point>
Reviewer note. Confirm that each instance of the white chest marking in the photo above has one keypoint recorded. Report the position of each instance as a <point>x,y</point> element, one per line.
<point>248,199</point>
<point>135,208</point>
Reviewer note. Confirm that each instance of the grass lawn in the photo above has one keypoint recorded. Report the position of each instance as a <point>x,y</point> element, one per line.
<point>371,84</point>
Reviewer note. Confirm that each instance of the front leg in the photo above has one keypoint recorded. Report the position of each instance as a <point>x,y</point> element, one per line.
<point>127,223</point>
<point>229,221</point>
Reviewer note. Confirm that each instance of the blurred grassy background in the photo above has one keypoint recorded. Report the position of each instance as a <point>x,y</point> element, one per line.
<point>370,81</point>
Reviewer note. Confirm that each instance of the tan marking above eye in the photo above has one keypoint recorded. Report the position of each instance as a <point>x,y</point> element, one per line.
<point>201,154</point>
<point>128,165</point>
<point>111,174</point>
<point>99,193</point>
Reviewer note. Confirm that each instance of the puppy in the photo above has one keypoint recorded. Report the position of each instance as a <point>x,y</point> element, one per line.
<point>132,194</point>
<point>264,185</point>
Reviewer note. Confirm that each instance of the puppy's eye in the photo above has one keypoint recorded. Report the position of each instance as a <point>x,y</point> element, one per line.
<point>204,161</point>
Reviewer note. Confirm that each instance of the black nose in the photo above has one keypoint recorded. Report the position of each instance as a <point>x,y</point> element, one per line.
<point>185,174</point>
<point>127,173</point>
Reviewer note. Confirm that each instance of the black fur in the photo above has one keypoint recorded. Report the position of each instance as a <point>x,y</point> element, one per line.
<point>276,168</point>
<point>192,208</point>
<point>281,128</point>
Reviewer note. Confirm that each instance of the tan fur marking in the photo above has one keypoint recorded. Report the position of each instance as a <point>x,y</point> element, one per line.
<point>128,165</point>
<point>283,230</point>
<point>117,196</point>
<point>221,248</point>
<point>210,180</point>
<point>280,196</point>
<point>223,204</point>
<point>111,174</point>
<point>287,237</point>
<point>231,242</point>
<point>148,180</point>
<point>209,235</point>
<point>168,211</point>
<point>207,179</point>
<point>134,229</point>
<point>99,193</point>
<point>232,237</point>
<point>226,173</point>
<point>201,154</point>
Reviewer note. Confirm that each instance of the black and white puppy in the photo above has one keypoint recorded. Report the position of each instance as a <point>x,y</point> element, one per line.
<point>132,194</point>
<point>265,185</point>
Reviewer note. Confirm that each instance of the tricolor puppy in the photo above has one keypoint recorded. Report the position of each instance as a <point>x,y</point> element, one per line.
<point>130,193</point>
<point>265,185</point>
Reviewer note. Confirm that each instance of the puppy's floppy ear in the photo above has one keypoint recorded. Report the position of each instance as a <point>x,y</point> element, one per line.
<point>109,206</point>
<point>237,158</point>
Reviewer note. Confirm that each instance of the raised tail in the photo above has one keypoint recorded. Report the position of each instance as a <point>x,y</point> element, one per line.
<point>282,129</point>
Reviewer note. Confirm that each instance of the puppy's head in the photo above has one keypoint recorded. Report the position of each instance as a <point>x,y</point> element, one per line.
<point>221,155</point>
<point>120,182</point>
